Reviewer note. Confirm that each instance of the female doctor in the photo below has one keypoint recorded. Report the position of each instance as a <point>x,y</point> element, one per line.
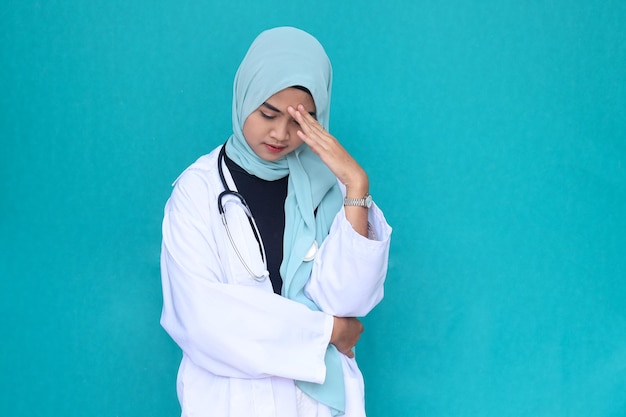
<point>271,247</point>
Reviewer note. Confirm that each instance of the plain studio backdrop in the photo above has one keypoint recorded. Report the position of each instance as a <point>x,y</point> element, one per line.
<point>494,133</point>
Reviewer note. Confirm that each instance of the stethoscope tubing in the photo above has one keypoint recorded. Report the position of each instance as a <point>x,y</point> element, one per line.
<point>221,208</point>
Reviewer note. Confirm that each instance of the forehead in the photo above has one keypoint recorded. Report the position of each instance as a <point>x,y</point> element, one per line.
<point>292,97</point>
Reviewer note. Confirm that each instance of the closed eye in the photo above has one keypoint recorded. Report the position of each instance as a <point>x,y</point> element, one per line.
<point>267,116</point>
<point>266,106</point>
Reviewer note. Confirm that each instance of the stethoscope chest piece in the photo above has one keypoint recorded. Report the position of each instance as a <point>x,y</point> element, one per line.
<point>310,255</point>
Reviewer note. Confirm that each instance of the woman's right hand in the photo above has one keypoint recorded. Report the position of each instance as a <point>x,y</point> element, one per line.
<point>346,333</point>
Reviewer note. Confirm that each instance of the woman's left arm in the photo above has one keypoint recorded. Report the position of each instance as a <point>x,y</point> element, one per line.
<point>351,266</point>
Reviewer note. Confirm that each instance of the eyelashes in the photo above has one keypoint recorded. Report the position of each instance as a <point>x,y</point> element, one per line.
<point>273,117</point>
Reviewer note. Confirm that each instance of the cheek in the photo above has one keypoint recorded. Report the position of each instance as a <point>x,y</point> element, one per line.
<point>295,139</point>
<point>293,131</point>
<point>250,129</point>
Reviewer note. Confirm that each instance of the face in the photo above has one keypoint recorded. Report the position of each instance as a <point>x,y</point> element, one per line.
<point>270,130</point>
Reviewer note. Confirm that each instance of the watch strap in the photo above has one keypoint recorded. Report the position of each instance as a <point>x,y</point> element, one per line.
<point>365,201</point>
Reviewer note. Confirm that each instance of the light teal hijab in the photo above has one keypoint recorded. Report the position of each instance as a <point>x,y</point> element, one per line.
<point>277,59</point>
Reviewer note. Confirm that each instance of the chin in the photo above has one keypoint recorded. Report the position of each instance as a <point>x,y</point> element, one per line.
<point>269,157</point>
<point>273,158</point>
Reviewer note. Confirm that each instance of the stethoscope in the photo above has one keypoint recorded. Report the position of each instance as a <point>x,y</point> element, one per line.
<point>221,205</point>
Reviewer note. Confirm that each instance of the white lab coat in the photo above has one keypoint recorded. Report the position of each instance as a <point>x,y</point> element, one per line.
<point>243,346</point>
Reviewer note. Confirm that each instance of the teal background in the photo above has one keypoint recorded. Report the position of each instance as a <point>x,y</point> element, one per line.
<point>494,133</point>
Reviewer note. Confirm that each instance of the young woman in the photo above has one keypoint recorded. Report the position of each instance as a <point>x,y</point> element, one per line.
<point>271,247</point>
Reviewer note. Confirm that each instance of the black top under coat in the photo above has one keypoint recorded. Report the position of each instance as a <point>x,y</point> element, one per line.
<point>266,200</point>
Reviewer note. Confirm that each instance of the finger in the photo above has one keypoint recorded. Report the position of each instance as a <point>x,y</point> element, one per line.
<point>317,142</point>
<point>349,352</point>
<point>301,110</point>
<point>309,117</point>
<point>303,123</point>
<point>314,134</point>
<point>307,122</point>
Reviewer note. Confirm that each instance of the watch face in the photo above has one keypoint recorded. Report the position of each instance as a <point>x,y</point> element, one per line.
<point>368,201</point>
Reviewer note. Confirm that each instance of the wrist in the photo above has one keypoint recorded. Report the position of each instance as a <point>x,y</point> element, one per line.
<point>359,192</point>
<point>357,189</point>
<point>358,185</point>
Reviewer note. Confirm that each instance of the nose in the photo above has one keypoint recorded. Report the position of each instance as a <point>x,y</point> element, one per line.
<point>280,132</point>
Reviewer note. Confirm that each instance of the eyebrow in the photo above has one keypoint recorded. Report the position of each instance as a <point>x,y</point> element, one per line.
<point>272,108</point>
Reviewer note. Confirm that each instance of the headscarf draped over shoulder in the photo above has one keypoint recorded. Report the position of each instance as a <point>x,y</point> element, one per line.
<point>277,59</point>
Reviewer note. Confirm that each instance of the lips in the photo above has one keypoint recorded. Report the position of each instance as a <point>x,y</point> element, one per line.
<point>274,149</point>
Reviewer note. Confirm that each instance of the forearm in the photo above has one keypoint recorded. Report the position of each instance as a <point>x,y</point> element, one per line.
<point>349,271</point>
<point>235,331</point>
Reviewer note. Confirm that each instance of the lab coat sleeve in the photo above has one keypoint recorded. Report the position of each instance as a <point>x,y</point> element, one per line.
<point>230,330</point>
<point>349,270</point>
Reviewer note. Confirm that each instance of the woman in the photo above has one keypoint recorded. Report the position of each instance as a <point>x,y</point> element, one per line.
<point>263,300</point>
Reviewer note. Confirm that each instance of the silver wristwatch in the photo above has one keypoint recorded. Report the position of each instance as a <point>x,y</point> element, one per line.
<point>366,201</point>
